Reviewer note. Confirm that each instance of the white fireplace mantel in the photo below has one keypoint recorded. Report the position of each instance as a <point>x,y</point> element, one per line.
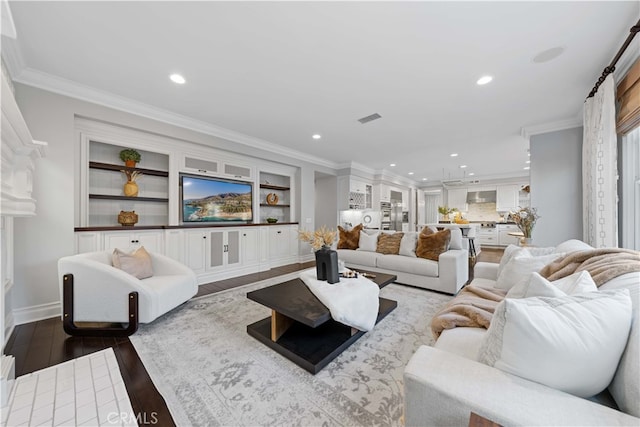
<point>19,154</point>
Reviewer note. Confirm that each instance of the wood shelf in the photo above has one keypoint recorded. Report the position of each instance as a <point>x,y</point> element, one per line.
<point>129,199</point>
<point>119,168</point>
<point>274,187</point>
<point>274,206</point>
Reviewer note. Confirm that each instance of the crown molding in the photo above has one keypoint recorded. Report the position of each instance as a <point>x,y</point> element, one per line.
<point>13,58</point>
<point>528,131</point>
<point>8,27</point>
<point>51,83</point>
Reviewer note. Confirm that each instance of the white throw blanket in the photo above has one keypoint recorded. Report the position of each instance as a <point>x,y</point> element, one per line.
<point>353,302</point>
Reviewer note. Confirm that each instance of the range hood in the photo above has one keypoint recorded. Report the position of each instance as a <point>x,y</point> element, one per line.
<point>481,196</point>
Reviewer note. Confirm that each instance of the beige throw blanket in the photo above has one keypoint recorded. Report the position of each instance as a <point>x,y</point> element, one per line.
<point>473,307</point>
<point>603,264</point>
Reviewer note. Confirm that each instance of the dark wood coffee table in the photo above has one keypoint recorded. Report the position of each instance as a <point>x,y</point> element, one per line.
<point>301,328</point>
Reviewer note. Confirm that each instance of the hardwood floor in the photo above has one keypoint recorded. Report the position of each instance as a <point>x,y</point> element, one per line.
<point>44,343</point>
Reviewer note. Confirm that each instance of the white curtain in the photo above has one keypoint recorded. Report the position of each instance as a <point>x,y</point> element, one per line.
<point>631,190</point>
<point>599,168</point>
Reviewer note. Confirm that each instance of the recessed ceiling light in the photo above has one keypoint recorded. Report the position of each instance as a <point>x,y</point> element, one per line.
<point>526,168</point>
<point>410,173</point>
<point>424,179</point>
<point>484,80</point>
<point>392,164</point>
<point>463,166</point>
<point>177,78</point>
<point>453,154</point>
<point>528,161</point>
<point>471,173</point>
<point>316,136</point>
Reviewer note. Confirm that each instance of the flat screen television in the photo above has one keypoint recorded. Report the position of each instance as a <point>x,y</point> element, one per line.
<point>208,199</point>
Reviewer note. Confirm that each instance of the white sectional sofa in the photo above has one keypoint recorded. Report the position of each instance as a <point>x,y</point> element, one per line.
<point>445,383</point>
<point>448,274</point>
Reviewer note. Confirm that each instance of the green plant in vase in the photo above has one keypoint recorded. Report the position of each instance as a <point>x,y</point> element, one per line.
<point>130,157</point>
<point>445,211</point>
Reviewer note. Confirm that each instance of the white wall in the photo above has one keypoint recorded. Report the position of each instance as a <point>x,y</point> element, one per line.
<point>41,241</point>
<point>556,186</point>
<point>326,205</point>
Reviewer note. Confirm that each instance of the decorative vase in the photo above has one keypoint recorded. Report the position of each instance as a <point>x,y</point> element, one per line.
<point>130,163</point>
<point>127,218</point>
<point>130,189</point>
<point>526,241</point>
<point>327,265</point>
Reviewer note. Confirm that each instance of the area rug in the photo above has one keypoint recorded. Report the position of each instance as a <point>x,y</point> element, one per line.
<point>212,373</point>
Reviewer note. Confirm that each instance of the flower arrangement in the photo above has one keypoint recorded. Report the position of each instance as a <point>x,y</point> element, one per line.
<point>525,219</point>
<point>132,175</point>
<point>319,238</point>
<point>446,210</point>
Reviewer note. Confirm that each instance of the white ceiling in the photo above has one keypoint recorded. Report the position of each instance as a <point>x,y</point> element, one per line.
<point>282,71</point>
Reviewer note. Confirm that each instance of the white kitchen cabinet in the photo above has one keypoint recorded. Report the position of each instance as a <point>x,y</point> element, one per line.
<point>151,240</point>
<point>487,236</point>
<point>360,194</point>
<point>457,198</point>
<point>504,239</point>
<point>507,197</point>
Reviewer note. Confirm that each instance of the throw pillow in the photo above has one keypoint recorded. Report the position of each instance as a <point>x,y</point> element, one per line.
<point>408,244</point>
<point>432,245</point>
<point>573,245</point>
<point>368,242</point>
<point>521,266</point>
<point>576,283</point>
<point>534,286</point>
<point>456,239</point>
<point>537,286</point>
<point>136,263</point>
<point>509,252</point>
<point>389,243</point>
<point>570,343</point>
<point>349,239</point>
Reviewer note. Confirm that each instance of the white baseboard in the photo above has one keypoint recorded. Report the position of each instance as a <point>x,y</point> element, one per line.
<point>9,326</point>
<point>36,312</point>
<point>306,258</point>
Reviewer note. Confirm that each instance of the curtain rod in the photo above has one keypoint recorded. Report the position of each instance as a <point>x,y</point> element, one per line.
<point>612,67</point>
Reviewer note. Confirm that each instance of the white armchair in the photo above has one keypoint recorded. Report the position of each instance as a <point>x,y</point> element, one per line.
<point>101,291</point>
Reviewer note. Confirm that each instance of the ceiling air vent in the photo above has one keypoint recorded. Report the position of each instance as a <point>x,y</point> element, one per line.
<point>370,118</point>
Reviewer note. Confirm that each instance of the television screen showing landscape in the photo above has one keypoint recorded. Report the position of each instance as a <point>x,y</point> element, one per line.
<point>215,200</point>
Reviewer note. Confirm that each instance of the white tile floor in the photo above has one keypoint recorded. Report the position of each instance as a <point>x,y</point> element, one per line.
<point>88,391</point>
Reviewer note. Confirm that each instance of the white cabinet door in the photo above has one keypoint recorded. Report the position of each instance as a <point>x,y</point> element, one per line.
<point>195,250</point>
<point>224,249</point>
<point>236,170</point>
<point>504,239</point>
<point>174,244</point>
<point>278,243</point>
<point>507,197</point>
<point>151,240</point>
<point>250,246</point>
<point>87,242</point>
<point>457,198</point>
